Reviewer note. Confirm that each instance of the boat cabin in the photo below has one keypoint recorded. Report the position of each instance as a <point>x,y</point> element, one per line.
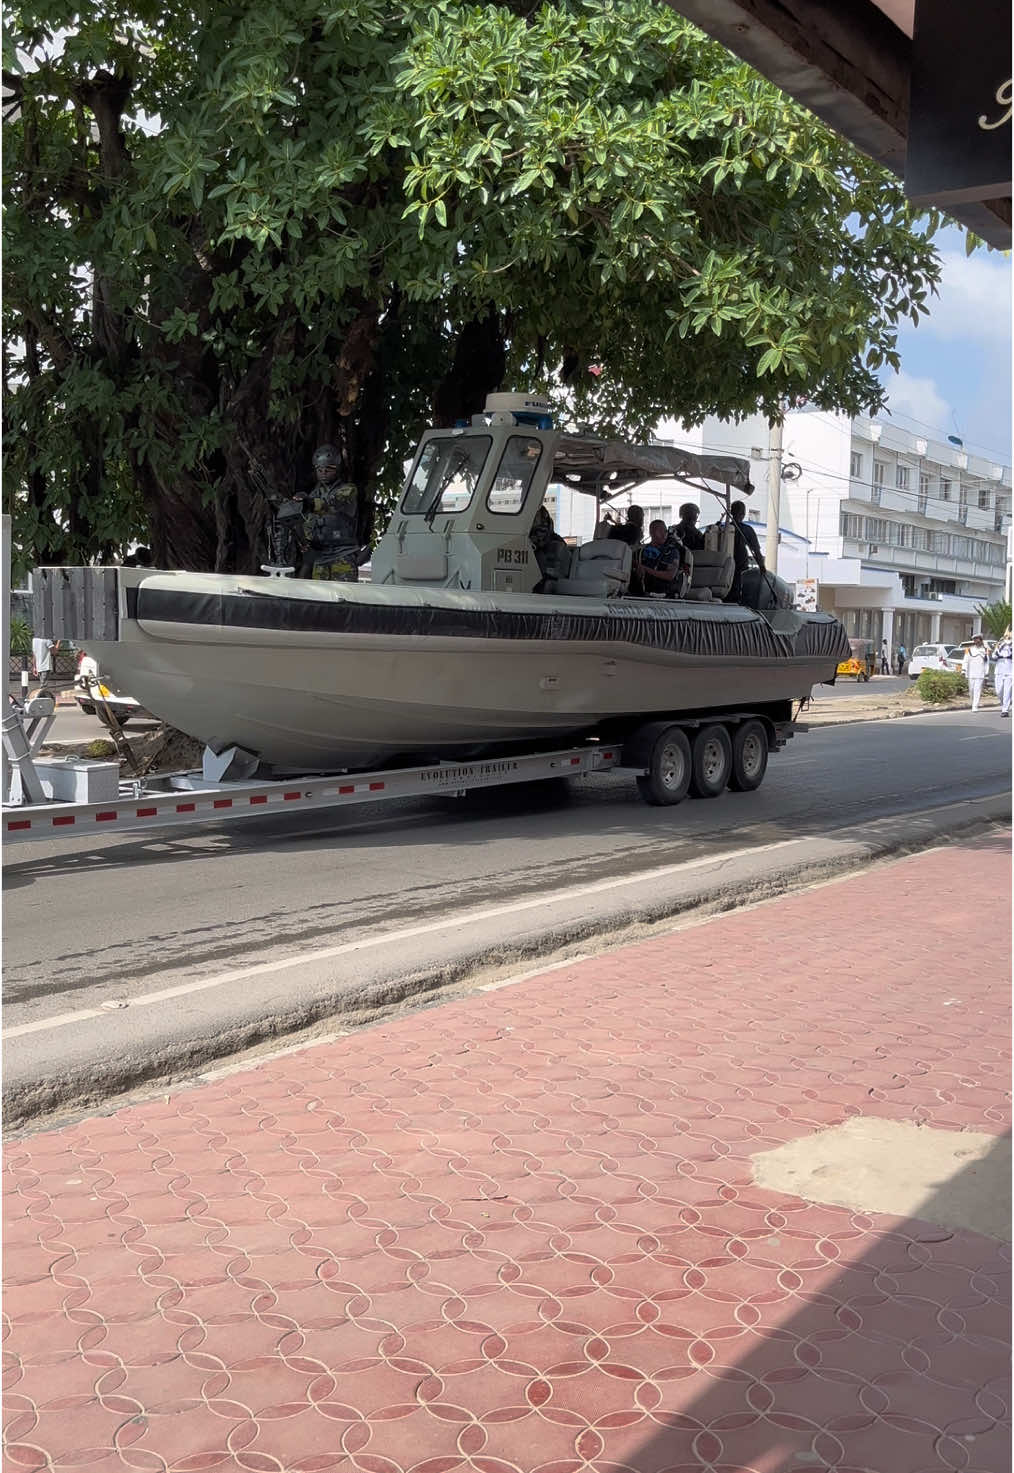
<point>466,515</point>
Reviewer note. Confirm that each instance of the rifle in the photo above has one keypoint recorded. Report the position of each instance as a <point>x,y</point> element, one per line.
<point>283,509</point>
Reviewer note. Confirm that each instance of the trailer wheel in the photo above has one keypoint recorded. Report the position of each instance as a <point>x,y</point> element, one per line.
<point>711,767</point>
<point>749,757</point>
<point>665,752</point>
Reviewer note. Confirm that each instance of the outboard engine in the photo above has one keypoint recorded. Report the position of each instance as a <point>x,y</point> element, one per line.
<point>765,590</point>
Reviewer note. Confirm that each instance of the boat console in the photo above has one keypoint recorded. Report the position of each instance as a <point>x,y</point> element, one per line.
<point>466,514</point>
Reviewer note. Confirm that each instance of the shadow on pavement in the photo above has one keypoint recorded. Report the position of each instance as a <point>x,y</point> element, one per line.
<point>898,1361</point>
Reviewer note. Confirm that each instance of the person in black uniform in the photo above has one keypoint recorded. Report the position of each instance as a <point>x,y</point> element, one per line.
<point>744,548</point>
<point>551,551</point>
<point>686,528</point>
<point>632,530</point>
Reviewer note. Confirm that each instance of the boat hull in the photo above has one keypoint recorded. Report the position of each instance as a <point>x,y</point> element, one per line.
<point>333,677</point>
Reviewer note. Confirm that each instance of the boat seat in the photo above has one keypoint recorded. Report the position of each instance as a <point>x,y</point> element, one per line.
<point>712,572</point>
<point>597,570</point>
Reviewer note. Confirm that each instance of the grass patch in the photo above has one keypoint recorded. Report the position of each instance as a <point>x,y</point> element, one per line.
<point>99,748</point>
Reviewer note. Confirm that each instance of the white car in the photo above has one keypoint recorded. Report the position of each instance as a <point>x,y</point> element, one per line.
<point>928,657</point>
<point>92,693</point>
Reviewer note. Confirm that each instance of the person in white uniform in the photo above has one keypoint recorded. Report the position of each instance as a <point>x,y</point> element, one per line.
<point>1002,678</point>
<point>42,657</point>
<point>974,667</point>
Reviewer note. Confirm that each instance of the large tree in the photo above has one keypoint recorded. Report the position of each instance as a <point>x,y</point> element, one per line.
<point>237,230</point>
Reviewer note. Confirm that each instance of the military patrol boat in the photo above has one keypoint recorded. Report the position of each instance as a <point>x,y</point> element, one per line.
<point>462,645</point>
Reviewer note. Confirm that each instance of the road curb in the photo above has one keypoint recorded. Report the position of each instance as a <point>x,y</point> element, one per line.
<point>101,1060</point>
<point>816,719</point>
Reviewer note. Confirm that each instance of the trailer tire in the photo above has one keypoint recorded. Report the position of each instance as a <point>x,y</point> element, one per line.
<point>711,765</point>
<point>749,757</point>
<point>665,752</point>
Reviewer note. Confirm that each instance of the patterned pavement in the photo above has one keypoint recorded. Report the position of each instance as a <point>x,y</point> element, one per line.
<point>519,1233</point>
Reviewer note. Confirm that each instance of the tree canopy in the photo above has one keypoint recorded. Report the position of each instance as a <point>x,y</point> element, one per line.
<point>235,231</point>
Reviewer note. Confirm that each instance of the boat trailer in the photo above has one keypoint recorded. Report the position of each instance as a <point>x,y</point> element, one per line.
<point>190,797</point>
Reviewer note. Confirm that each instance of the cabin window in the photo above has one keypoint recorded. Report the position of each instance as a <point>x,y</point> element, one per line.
<point>514,474</point>
<point>445,475</point>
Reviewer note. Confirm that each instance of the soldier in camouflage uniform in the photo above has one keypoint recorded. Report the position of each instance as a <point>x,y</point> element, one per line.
<point>330,524</point>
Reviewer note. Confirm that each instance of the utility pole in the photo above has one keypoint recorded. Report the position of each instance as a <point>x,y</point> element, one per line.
<point>774,492</point>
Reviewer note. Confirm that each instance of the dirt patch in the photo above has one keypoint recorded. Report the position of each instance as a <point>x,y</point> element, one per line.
<point>163,749</point>
<point>954,1178</point>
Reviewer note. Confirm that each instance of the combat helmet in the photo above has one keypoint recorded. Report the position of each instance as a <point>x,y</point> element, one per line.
<point>327,455</point>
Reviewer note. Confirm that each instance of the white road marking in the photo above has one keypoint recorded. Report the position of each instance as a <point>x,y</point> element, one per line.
<point>367,943</point>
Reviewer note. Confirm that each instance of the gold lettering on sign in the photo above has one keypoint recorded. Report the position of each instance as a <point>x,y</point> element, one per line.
<point>1004,98</point>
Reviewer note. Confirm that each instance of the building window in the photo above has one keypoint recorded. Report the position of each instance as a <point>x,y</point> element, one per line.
<point>851,525</point>
<point>940,542</point>
<point>945,490</point>
<point>901,477</point>
<point>855,464</point>
<point>920,539</point>
<point>876,529</point>
<point>984,500</point>
<point>924,486</point>
<point>879,467</point>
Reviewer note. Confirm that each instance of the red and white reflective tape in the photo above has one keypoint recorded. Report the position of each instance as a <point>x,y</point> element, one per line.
<point>131,813</point>
<point>202,803</point>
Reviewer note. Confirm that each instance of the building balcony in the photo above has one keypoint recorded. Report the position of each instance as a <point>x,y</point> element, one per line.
<point>912,560</point>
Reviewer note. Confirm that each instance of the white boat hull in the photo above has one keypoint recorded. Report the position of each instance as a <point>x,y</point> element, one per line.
<point>322,698</point>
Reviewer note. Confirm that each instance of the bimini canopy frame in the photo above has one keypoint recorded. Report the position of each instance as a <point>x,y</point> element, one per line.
<point>605,468</point>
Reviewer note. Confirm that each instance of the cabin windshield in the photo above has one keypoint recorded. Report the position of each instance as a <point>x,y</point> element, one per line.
<point>445,476</point>
<point>518,465</point>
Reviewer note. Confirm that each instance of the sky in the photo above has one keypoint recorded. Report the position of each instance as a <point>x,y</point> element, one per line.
<point>955,374</point>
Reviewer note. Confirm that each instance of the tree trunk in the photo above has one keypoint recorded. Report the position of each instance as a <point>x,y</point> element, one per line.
<point>480,361</point>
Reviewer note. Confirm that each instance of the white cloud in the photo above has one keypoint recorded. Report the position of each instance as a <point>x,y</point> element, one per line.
<point>974,302</point>
<point>918,399</point>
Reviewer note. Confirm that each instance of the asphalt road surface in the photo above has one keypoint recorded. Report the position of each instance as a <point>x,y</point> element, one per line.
<point>91,924</point>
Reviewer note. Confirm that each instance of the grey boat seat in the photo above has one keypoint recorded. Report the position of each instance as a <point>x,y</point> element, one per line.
<point>713,566</point>
<point>597,570</point>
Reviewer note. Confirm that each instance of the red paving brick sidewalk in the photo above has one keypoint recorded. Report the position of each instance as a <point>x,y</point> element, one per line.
<point>520,1232</point>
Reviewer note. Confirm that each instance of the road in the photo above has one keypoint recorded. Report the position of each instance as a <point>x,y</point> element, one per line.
<point>87,923</point>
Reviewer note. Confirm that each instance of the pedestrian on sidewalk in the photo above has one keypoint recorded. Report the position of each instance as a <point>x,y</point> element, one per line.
<point>1002,676</point>
<point>974,667</point>
<point>885,660</point>
<point>902,657</point>
<point>42,658</point>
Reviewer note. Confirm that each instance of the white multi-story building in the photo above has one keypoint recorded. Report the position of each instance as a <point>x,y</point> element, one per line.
<point>905,535</point>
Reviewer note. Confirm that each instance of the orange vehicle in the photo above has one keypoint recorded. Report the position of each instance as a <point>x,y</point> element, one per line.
<point>862,662</point>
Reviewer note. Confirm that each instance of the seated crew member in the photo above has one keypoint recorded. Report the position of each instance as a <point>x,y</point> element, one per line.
<point>632,530</point>
<point>551,551</point>
<point>661,561</point>
<point>686,528</point>
<point>745,546</point>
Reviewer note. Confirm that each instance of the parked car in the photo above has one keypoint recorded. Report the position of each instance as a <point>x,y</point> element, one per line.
<point>928,657</point>
<point>91,692</point>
